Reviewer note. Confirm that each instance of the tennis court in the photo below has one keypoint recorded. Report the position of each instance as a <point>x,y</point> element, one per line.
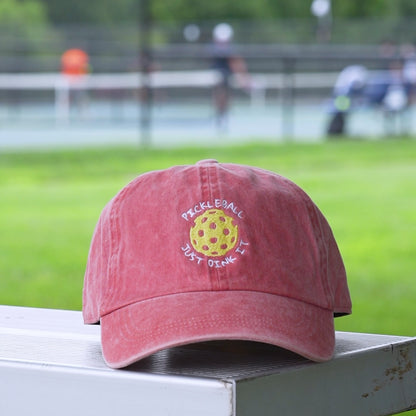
<point>179,122</point>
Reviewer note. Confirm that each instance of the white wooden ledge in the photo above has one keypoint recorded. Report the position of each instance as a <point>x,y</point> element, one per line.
<point>51,364</point>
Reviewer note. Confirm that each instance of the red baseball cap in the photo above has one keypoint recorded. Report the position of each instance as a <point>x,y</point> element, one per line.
<point>213,251</point>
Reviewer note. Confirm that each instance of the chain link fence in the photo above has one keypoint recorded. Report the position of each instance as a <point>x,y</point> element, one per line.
<point>294,65</point>
<point>116,49</point>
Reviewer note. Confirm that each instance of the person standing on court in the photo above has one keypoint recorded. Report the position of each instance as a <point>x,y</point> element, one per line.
<point>228,64</point>
<point>75,65</point>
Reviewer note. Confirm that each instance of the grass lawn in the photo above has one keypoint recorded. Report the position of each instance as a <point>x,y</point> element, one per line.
<point>50,202</point>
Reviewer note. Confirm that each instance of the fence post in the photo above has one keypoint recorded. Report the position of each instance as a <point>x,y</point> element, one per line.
<point>288,97</point>
<point>62,100</point>
<point>145,56</point>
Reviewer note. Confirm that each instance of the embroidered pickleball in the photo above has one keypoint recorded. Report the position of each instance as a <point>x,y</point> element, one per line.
<point>214,233</point>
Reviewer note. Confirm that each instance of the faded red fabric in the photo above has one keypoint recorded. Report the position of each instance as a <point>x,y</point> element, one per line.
<point>209,252</point>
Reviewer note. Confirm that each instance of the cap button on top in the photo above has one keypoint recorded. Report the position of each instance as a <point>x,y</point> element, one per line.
<point>205,161</point>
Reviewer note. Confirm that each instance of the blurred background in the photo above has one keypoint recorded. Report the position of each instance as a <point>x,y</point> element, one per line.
<point>156,71</point>
<point>94,93</point>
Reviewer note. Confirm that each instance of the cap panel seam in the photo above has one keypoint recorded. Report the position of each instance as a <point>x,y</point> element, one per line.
<point>204,184</point>
<point>214,189</point>
<point>115,239</point>
<point>314,215</point>
<point>323,251</point>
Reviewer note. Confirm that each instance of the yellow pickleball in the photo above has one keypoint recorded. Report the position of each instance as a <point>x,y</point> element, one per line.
<point>213,233</point>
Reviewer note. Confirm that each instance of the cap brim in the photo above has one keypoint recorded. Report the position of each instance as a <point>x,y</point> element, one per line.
<point>143,328</point>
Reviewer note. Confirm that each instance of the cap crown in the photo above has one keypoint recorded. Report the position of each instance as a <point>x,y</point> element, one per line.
<point>212,227</point>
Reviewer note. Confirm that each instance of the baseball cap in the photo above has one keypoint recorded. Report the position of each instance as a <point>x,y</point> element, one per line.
<point>213,251</point>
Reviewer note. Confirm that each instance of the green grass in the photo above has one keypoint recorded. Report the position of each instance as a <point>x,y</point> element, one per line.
<point>51,201</point>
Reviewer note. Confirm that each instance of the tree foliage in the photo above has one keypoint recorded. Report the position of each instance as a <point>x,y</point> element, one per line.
<point>91,11</point>
<point>21,13</point>
<point>113,12</point>
<point>22,24</point>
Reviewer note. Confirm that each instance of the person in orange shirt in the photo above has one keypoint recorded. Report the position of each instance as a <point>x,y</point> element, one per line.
<point>75,62</point>
<point>74,66</point>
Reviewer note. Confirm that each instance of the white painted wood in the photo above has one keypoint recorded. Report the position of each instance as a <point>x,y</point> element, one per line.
<point>51,363</point>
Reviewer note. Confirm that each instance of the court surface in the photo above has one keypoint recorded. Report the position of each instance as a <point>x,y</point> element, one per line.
<point>31,126</point>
